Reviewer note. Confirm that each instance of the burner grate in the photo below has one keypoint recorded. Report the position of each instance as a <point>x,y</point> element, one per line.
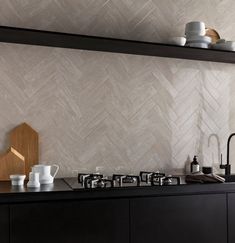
<point>145,178</point>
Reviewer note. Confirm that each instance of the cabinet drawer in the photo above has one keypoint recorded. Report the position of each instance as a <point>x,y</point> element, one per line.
<point>184,219</point>
<point>76,221</point>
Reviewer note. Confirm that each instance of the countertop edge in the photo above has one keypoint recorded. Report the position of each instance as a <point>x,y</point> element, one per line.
<point>60,191</point>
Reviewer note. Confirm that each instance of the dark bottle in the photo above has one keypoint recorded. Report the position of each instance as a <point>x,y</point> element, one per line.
<point>195,168</point>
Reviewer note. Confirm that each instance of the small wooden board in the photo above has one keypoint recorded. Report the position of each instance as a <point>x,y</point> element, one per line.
<point>11,162</point>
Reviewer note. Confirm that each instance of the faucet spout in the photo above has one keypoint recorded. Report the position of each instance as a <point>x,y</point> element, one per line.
<point>227,166</point>
<point>228,152</point>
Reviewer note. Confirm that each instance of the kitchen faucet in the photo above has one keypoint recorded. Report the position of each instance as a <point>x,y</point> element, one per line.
<point>227,166</point>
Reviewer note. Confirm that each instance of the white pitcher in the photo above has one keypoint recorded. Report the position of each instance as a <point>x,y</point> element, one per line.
<point>44,171</point>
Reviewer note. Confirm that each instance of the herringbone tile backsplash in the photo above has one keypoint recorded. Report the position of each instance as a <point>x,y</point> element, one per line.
<point>116,112</point>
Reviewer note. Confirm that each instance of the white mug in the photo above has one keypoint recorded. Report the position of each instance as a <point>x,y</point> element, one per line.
<point>44,171</point>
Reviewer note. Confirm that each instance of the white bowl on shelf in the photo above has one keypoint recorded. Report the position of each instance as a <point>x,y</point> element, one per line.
<point>198,45</point>
<point>226,46</point>
<point>178,41</point>
<point>199,39</point>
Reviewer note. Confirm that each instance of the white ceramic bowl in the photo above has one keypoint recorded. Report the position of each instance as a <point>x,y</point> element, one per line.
<point>227,46</point>
<point>178,41</point>
<point>198,45</point>
<point>199,39</point>
<point>17,180</point>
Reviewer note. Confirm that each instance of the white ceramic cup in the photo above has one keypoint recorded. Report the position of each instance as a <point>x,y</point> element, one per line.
<point>17,180</point>
<point>44,171</point>
<point>33,180</point>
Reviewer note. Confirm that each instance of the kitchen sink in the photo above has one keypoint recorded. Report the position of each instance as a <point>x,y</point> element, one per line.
<point>229,178</point>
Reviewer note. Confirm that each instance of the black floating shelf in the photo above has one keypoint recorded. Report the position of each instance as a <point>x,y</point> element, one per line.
<point>83,42</point>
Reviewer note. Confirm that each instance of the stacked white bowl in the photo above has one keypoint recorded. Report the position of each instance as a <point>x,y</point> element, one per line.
<point>195,34</point>
<point>224,45</point>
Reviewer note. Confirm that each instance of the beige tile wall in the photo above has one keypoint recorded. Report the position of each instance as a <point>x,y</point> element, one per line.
<point>113,111</point>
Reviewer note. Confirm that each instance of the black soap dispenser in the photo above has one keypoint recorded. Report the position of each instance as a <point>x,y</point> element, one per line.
<point>195,168</point>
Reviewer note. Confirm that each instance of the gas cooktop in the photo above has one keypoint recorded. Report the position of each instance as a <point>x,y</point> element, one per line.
<point>95,180</point>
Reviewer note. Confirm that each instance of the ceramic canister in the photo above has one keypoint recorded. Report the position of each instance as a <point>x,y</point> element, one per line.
<point>33,180</point>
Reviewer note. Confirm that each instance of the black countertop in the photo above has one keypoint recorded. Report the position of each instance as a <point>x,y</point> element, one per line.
<point>61,190</point>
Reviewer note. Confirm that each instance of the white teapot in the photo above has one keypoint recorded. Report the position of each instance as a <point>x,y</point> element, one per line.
<point>44,171</point>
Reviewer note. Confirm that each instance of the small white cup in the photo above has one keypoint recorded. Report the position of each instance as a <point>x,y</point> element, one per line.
<point>17,180</point>
<point>33,180</point>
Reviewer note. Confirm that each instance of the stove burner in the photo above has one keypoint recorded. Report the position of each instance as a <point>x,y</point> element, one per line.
<point>98,183</point>
<point>147,177</point>
<point>130,179</point>
<point>95,180</point>
<point>83,177</point>
<point>165,180</point>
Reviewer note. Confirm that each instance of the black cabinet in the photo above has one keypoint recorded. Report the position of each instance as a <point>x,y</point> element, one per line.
<point>181,218</point>
<point>97,221</point>
<point>184,219</point>
<point>4,224</point>
<point>231,217</point>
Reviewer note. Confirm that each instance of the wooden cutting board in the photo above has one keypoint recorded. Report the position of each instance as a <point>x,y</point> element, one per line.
<point>22,154</point>
<point>24,139</point>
